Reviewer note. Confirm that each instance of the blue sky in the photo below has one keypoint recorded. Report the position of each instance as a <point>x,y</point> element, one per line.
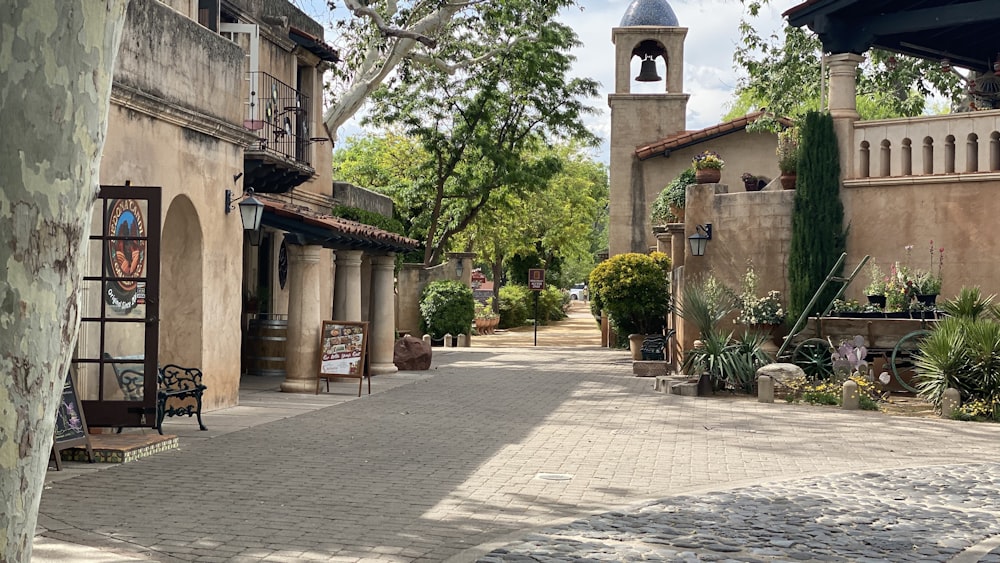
<point>709,75</point>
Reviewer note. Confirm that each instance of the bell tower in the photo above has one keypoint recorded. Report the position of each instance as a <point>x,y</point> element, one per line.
<point>649,33</point>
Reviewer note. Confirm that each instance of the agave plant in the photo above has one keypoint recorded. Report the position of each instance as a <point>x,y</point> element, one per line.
<point>970,304</point>
<point>962,353</point>
<point>731,364</point>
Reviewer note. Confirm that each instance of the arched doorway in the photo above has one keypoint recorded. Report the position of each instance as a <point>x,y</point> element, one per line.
<point>182,285</point>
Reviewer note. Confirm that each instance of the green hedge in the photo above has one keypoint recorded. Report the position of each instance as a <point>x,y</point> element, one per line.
<point>517,305</point>
<point>446,307</point>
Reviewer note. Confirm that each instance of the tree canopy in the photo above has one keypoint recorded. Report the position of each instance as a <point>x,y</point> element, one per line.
<point>482,129</point>
<point>782,74</point>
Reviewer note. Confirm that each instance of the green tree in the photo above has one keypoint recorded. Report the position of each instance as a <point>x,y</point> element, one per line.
<point>782,74</point>
<point>56,63</point>
<point>483,129</point>
<point>557,226</point>
<point>818,237</point>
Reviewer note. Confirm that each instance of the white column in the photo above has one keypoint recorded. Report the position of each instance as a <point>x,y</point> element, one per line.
<point>383,314</point>
<point>304,319</point>
<point>347,292</point>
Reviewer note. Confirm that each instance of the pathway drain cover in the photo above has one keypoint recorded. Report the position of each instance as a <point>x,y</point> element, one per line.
<point>554,476</point>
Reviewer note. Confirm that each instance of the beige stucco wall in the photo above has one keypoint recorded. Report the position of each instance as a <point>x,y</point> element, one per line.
<point>193,170</point>
<point>742,152</point>
<point>957,216</point>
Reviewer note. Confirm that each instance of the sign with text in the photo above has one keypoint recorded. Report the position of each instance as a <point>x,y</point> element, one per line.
<point>343,352</point>
<point>536,279</point>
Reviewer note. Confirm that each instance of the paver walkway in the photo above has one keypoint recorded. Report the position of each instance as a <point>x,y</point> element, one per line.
<point>493,445</point>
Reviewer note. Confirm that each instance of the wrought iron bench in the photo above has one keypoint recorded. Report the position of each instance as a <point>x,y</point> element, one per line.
<point>179,383</point>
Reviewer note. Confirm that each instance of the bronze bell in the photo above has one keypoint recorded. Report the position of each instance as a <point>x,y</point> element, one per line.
<point>647,72</point>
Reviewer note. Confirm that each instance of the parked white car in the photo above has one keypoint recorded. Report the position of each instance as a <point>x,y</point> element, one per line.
<point>578,291</point>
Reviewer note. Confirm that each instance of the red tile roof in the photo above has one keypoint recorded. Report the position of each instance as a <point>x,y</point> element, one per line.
<point>357,232</point>
<point>688,138</point>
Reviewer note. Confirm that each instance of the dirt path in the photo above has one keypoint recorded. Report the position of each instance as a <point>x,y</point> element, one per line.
<point>579,329</point>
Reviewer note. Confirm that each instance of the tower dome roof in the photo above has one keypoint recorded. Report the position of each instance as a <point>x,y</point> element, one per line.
<point>649,12</point>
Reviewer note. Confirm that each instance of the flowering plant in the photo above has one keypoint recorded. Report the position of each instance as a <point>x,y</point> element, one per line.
<point>765,310</point>
<point>708,160</point>
<point>788,150</point>
<point>758,310</point>
<point>878,281</point>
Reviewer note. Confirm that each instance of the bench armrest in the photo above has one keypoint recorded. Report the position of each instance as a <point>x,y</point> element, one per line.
<point>178,378</point>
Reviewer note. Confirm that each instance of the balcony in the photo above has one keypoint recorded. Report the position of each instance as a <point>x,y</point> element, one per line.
<point>278,115</point>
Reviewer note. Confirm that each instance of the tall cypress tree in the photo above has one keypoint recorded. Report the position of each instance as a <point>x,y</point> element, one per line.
<point>818,236</point>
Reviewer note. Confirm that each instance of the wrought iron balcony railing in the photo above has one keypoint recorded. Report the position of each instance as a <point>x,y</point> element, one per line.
<point>278,115</point>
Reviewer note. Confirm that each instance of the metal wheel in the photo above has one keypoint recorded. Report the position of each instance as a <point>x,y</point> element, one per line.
<point>900,359</point>
<point>814,357</point>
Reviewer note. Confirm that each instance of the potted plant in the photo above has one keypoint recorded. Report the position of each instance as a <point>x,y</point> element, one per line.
<point>669,205</point>
<point>788,157</point>
<point>875,290</point>
<point>707,167</point>
<point>762,314</point>
<point>633,289</point>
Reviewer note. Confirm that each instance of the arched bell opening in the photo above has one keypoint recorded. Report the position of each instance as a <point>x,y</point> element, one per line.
<point>648,66</point>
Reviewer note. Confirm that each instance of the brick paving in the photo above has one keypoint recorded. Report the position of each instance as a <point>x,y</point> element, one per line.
<point>447,463</point>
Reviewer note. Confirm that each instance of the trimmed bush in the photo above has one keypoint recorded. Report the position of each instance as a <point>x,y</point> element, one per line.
<point>446,307</point>
<point>633,289</point>
<point>514,309</point>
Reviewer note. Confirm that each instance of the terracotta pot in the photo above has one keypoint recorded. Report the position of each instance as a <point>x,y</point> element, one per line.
<point>788,181</point>
<point>707,176</point>
<point>677,212</point>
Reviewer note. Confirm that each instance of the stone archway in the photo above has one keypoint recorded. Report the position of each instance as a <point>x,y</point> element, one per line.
<point>182,285</point>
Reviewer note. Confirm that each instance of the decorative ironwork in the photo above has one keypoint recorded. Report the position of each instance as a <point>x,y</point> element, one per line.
<point>278,115</point>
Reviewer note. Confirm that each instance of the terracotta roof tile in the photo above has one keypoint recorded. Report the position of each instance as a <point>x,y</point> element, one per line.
<point>350,229</point>
<point>688,138</point>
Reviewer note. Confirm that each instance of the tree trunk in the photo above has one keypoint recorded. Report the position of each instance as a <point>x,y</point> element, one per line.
<point>56,63</point>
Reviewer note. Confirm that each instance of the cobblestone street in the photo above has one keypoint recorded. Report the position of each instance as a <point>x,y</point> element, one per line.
<point>549,454</point>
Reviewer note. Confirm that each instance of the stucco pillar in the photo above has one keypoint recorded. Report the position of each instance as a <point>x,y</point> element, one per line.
<point>678,244</point>
<point>383,315</point>
<point>347,291</point>
<point>843,105</point>
<point>304,319</point>
<point>663,242</point>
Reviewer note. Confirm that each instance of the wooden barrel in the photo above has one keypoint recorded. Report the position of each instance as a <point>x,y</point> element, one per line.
<point>265,353</point>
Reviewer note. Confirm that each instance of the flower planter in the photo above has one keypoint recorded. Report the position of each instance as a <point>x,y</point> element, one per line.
<point>877,300</point>
<point>788,181</point>
<point>707,176</point>
<point>678,213</point>
<point>928,300</point>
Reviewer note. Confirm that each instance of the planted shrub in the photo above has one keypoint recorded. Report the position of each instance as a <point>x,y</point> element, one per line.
<point>817,216</point>
<point>517,305</point>
<point>633,289</point>
<point>446,307</point>
<point>513,305</point>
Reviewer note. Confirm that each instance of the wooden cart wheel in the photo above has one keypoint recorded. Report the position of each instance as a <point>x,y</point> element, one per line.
<point>815,358</point>
<point>901,355</point>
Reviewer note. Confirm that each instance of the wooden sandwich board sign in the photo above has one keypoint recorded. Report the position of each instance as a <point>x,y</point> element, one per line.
<point>343,348</point>
<point>71,425</point>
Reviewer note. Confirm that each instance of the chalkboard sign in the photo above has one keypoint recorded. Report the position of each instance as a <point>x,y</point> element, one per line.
<point>343,353</point>
<point>71,426</point>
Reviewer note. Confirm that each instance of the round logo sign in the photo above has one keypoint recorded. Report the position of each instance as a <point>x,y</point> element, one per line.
<point>126,253</point>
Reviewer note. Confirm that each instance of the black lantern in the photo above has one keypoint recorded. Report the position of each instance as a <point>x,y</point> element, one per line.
<point>251,212</point>
<point>699,240</point>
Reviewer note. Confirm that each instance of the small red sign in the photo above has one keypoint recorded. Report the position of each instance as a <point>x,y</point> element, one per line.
<point>536,279</point>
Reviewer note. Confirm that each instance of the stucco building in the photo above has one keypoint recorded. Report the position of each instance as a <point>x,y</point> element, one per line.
<point>904,181</point>
<point>212,98</point>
